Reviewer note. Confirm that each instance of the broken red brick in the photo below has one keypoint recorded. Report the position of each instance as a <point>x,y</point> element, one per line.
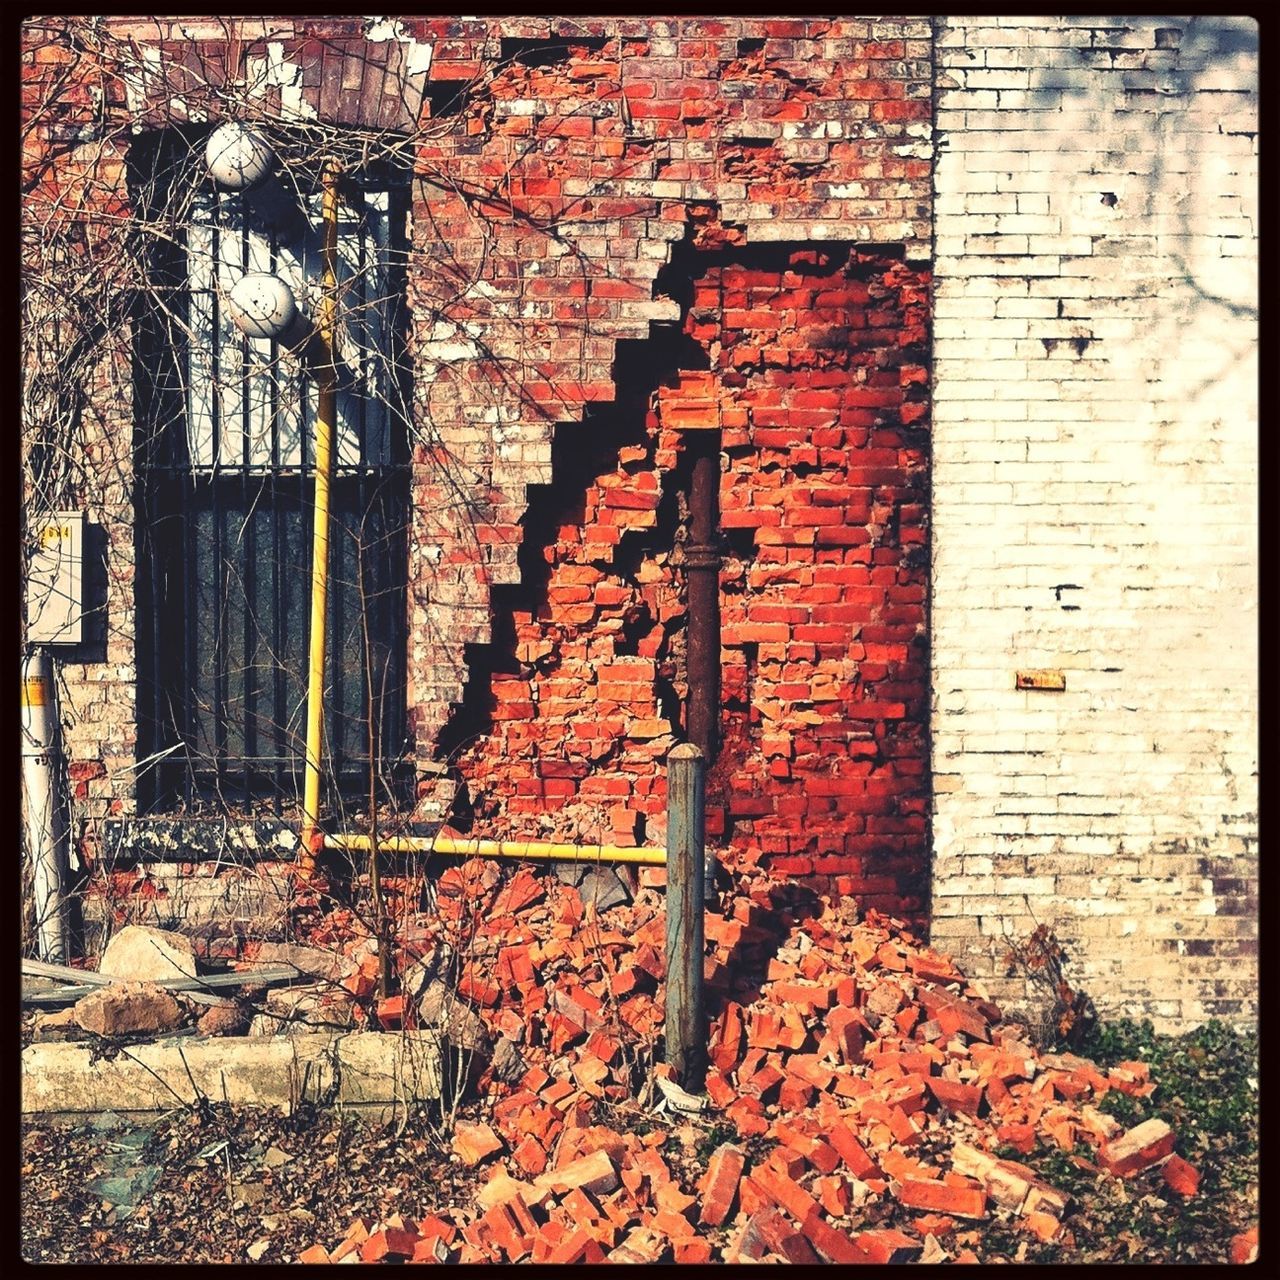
<point>782,1238</point>
<point>578,1247</point>
<point>964,1098</point>
<point>886,1246</point>
<point>831,1244</point>
<point>391,1012</point>
<point>530,1156</point>
<point>1244,1247</point>
<point>506,1232</point>
<point>852,1152</point>
<point>834,1194</point>
<point>594,1173</point>
<point>473,1143</point>
<point>1141,1147</point>
<point>785,1191</point>
<point>1182,1177</point>
<point>696,1251</point>
<point>1044,1226</point>
<point>959,1201</point>
<point>388,1242</point>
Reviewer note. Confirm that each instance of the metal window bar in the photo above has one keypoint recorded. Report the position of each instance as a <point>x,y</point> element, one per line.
<point>225,599</point>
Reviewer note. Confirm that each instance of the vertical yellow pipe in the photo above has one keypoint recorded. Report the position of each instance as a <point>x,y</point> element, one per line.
<point>326,414</point>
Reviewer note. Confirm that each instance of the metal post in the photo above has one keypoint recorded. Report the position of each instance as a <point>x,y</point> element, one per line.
<point>326,413</point>
<point>46,819</point>
<point>702,563</point>
<point>686,1021</point>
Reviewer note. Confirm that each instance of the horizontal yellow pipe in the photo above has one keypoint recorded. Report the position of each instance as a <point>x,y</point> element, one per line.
<point>500,849</point>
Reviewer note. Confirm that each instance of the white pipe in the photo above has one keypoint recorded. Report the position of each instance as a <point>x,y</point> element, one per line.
<point>47,829</point>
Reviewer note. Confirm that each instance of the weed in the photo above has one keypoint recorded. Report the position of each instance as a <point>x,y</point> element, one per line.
<point>1206,1090</point>
<point>715,1137</point>
<point>1041,959</point>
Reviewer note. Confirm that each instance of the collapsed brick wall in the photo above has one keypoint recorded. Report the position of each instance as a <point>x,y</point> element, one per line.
<point>1095,504</point>
<point>811,365</point>
<point>548,214</point>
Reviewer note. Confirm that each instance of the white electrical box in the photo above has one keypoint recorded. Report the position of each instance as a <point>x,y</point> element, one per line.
<point>55,580</point>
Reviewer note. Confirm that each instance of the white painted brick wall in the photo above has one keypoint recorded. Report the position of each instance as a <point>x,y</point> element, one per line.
<point>1095,503</point>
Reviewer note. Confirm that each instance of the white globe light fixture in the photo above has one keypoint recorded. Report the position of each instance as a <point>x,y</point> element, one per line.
<point>238,157</point>
<point>262,306</point>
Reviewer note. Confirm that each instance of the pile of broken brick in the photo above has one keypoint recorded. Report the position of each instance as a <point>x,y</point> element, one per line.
<point>853,1068</point>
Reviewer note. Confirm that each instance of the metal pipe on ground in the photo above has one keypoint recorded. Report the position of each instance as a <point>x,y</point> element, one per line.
<point>686,1018</point>
<point>48,832</point>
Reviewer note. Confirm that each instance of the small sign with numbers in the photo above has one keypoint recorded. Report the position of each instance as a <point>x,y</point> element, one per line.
<point>55,588</point>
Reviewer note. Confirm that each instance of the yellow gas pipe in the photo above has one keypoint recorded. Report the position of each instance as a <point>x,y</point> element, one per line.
<point>500,849</point>
<point>326,413</point>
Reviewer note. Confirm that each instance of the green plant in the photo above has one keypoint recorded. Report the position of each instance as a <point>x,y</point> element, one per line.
<point>716,1136</point>
<point>1206,1090</point>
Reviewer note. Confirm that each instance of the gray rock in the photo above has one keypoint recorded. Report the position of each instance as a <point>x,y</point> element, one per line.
<point>432,967</point>
<point>604,886</point>
<point>442,1009</point>
<point>309,960</point>
<point>127,1007</point>
<point>294,1010</point>
<point>141,953</point>
<point>59,1026</point>
<point>508,1061</point>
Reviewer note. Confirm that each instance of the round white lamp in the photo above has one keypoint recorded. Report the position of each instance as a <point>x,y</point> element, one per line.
<point>262,305</point>
<point>238,157</point>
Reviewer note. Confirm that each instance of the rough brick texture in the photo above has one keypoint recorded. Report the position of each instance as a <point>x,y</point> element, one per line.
<point>551,208</point>
<point>1095,503</point>
<point>817,384</point>
<point>624,229</point>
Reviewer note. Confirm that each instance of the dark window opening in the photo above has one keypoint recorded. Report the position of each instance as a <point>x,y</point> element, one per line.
<point>224,492</point>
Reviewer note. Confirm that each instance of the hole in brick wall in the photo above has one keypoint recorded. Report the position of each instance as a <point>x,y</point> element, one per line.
<point>779,308</point>
<point>740,542</point>
<point>546,53</point>
<point>1109,199</point>
<point>739,699</point>
<point>749,45</point>
<point>580,453</point>
<point>444,98</point>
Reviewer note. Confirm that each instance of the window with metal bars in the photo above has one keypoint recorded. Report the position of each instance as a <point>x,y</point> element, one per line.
<point>224,487</point>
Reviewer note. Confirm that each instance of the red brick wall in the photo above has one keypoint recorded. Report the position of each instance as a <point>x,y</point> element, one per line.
<point>551,204</point>
<point>817,380</point>
<point>565,201</point>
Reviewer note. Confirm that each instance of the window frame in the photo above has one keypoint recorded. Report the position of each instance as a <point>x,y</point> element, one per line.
<point>177,770</point>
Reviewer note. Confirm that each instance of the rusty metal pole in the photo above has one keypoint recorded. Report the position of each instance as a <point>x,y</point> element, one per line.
<point>702,563</point>
<point>686,1018</point>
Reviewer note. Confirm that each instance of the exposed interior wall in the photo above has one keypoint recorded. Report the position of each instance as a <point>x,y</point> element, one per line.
<point>584,151</point>
<point>1095,503</point>
<point>810,363</point>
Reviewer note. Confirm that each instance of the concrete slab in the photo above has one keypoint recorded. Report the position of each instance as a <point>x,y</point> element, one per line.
<point>360,1068</point>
